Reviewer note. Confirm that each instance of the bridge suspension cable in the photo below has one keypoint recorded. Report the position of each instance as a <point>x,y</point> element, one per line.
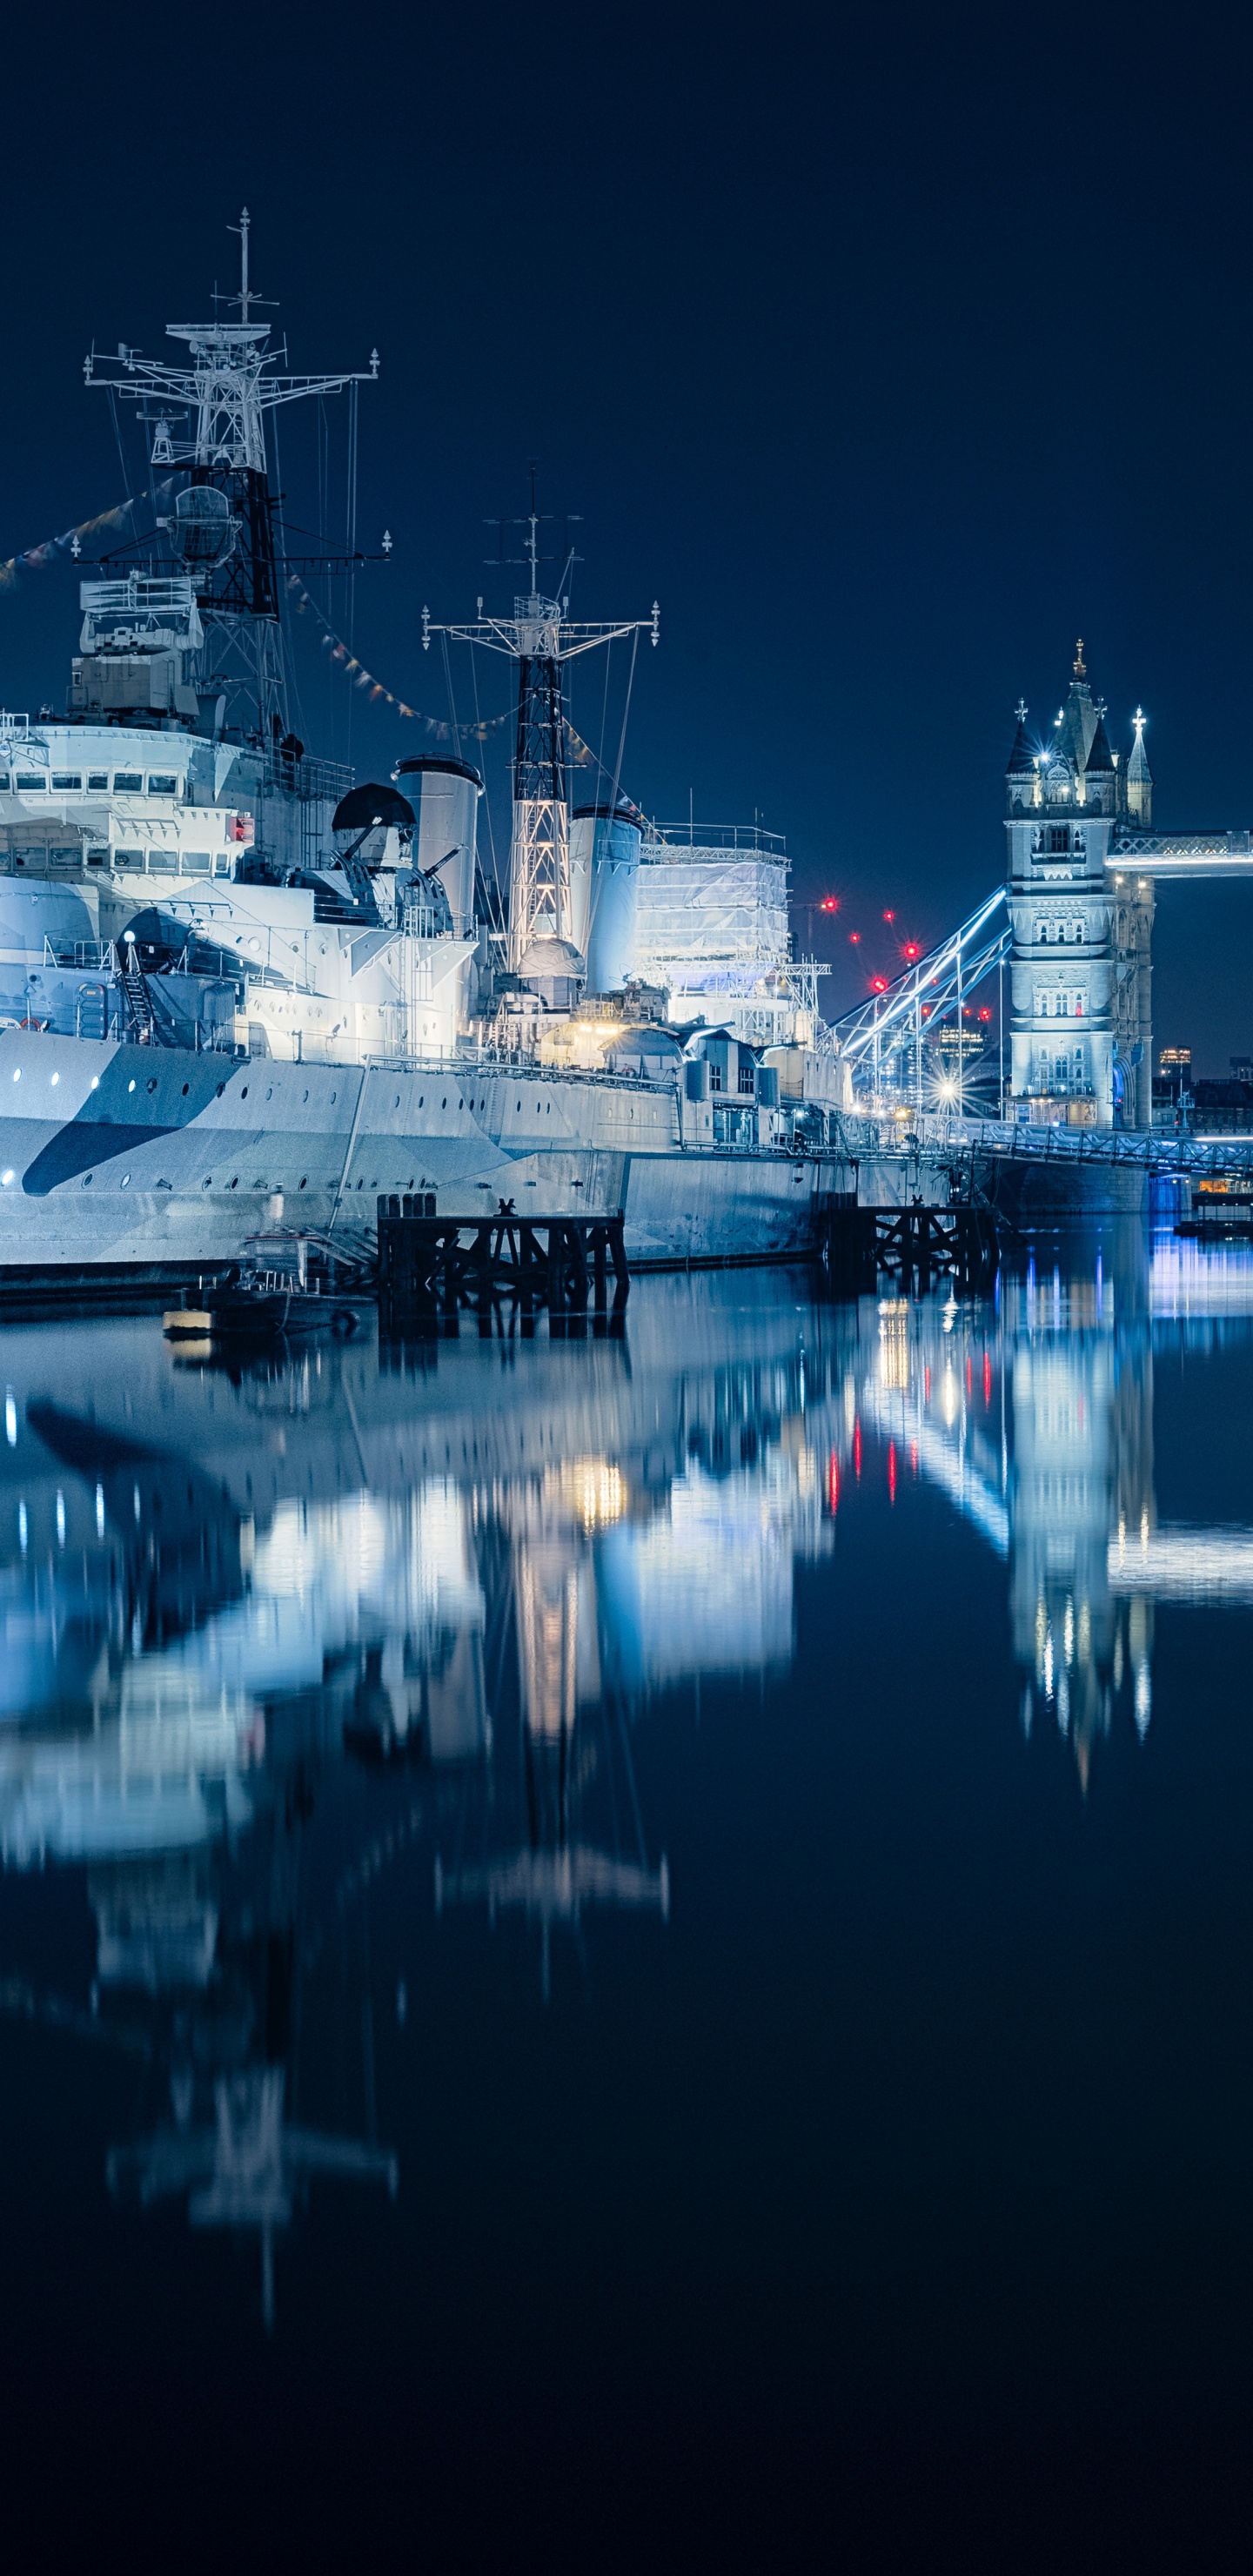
<point>894,1021</point>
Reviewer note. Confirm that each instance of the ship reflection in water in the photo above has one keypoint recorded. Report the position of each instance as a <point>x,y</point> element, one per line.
<point>278,1636</point>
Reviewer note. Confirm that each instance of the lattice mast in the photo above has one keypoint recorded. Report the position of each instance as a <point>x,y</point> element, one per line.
<point>539,637</point>
<point>208,417</point>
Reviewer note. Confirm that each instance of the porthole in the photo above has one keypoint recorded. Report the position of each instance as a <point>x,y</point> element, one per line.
<point>130,1086</point>
<point>517,1104</point>
<point>207,1182</point>
<point>153,1084</point>
<point>244,1093</point>
<point>302,1184</point>
<point>332,1099</point>
<point>304,1095</point>
<point>233,1185</point>
<point>126,1180</point>
<point>421,1098</point>
<point>55,1080</point>
<point>186,1089</point>
<point>87,1180</point>
<point>398,1100</point>
<point>270,1093</point>
<point>444,1102</point>
<point>221,1089</point>
<point>17,1075</point>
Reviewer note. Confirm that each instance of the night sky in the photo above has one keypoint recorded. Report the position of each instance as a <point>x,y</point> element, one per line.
<point>890,353</point>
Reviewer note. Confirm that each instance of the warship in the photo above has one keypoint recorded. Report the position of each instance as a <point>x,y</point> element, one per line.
<point>242,990</point>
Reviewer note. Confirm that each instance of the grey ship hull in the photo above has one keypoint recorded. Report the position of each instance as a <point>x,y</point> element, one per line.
<point>118,1157</point>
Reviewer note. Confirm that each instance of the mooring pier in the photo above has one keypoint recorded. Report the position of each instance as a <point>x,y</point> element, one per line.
<point>908,1243</point>
<point>432,1263</point>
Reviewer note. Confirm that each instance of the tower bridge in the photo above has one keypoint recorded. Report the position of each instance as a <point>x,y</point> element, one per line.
<point>1072,923</point>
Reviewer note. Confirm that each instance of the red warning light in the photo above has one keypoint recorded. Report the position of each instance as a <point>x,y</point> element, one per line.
<point>854,938</point>
<point>879,984</point>
<point>829,903</point>
<point>985,1015</point>
<point>889,916</point>
<point>910,949</point>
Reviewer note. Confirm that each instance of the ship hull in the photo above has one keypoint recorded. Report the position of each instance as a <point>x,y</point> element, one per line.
<point>117,1159</point>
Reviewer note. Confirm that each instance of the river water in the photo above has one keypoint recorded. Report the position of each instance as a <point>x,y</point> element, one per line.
<point>634,1952</point>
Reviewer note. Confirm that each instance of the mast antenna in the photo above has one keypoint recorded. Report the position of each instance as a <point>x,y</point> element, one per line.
<point>539,637</point>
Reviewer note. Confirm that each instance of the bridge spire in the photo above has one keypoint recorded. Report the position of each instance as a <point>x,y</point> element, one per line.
<point>1081,668</point>
<point>1139,775</point>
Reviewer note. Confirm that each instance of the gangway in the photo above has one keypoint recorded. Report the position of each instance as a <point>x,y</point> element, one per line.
<point>894,1021</point>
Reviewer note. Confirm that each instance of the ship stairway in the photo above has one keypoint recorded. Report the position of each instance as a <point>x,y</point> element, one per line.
<point>139,1006</point>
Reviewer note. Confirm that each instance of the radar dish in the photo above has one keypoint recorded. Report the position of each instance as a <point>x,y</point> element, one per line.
<point>203,529</point>
<point>371,804</point>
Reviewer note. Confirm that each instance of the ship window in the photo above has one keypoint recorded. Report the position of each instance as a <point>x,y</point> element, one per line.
<point>127,782</point>
<point>69,779</point>
<point>197,863</point>
<point>98,778</point>
<point>27,784</point>
<point>4,782</point>
<point>162,783</point>
<point>129,858</point>
<point>97,858</point>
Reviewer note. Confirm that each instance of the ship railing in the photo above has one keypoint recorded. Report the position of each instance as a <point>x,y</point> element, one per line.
<point>13,727</point>
<point>313,781</point>
<point>98,956</point>
<point>676,837</point>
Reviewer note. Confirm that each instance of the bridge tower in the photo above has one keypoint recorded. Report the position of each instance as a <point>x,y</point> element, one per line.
<point>1080,1041</point>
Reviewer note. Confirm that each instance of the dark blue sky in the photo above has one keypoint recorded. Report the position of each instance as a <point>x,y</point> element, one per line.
<point>889,354</point>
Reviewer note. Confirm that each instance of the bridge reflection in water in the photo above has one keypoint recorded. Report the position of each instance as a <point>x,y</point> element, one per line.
<point>273,1636</point>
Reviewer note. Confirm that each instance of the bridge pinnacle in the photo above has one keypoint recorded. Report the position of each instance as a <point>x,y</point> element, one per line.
<point>1081,668</point>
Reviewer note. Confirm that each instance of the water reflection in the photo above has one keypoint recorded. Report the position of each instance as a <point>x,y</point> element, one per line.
<point>273,1634</point>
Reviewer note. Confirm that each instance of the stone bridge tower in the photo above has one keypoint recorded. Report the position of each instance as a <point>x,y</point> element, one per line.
<point>1080,1039</point>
